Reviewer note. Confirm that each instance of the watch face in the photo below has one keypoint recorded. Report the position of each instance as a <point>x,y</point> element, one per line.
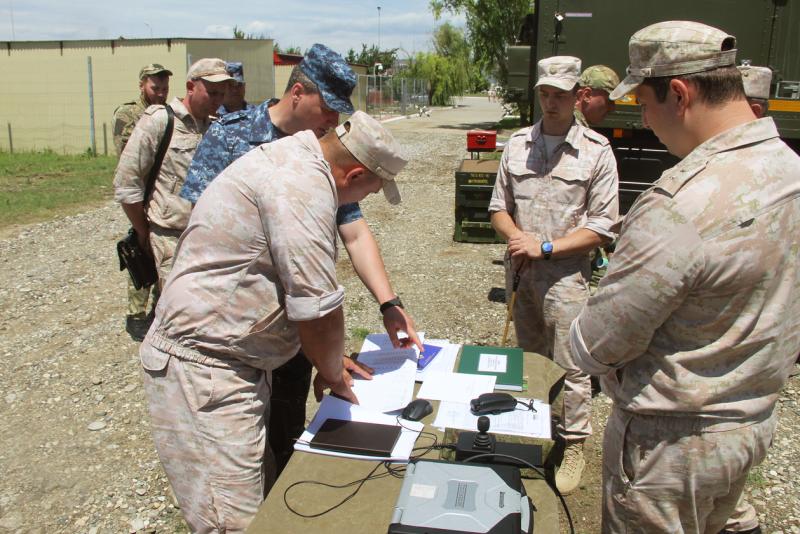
<point>547,247</point>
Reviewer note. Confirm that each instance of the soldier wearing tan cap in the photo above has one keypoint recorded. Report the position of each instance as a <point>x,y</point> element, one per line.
<point>697,322</point>
<point>756,81</point>
<point>254,280</point>
<point>555,200</point>
<point>594,86</point>
<point>153,89</point>
<point>159,220</point>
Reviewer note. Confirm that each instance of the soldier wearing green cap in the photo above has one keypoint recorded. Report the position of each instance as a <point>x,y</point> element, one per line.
<point>697,323</point>
<point>153,89</point>
<point>594,86</point>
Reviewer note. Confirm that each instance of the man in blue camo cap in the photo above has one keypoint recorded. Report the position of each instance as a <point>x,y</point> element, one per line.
<point>319,88</point>
<point>234,95</point>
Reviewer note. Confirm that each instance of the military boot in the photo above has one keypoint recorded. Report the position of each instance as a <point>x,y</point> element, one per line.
<point>137,326</point>
<point>568,476</point>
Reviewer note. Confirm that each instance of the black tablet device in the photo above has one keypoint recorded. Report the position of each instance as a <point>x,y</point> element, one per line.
<point>356,437</point>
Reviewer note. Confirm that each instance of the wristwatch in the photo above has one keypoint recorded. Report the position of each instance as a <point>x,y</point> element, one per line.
<point>547,249</point>
<point>391,303</point>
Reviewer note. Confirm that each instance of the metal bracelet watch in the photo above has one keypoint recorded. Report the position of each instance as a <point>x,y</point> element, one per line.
<point>547,249</point>
<point>391,303</point>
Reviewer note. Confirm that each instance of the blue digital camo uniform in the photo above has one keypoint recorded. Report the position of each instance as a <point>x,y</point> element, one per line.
<point>231,137</point>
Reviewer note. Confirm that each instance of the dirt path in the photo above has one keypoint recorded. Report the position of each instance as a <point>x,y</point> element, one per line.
<point>75,447</point>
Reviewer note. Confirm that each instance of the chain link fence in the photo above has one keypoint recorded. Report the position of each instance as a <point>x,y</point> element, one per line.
<point>385,96</point>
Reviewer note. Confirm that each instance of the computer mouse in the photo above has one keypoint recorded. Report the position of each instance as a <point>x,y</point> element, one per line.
<point>416,410</point>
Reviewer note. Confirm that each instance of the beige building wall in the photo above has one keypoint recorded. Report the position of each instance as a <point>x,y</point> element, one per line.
<point>46,102</point>
<point>255,55</point>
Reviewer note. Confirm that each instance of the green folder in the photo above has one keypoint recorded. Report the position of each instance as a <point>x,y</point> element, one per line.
<point>503,362</point>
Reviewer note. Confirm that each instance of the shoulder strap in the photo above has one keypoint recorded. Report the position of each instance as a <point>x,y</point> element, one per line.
<point>159,159</point>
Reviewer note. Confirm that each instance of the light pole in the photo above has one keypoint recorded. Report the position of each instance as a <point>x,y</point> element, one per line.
<point>149,28</point>
<point>379,29</point>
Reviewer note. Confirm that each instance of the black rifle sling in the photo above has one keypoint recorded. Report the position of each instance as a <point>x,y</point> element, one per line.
<point>162,150</point>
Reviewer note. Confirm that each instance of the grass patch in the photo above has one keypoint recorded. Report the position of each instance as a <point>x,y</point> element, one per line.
<point>755,479</point>
<point>358,334</point>
<point>510,122</point>
<point>37,186</point>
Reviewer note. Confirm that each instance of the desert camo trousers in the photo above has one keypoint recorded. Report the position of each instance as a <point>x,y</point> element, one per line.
<point>163,242</point>
<point>667,474</point>
<point>209,427</point>
<point>137,298</point>
<point>548,298</point>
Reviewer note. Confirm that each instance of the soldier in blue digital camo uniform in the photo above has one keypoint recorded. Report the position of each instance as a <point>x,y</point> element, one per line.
<point>234,94</point>
<point>319,88</point>
<point>695,327</point>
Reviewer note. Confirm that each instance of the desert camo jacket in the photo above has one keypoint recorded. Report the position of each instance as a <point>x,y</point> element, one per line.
<point>699,314</point>
<point>125,118</point>
<point>258,254</point>
<point>576,188</point>
<point>166,209</point>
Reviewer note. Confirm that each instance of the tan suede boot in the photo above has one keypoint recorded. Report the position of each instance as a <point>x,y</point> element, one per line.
<point>568,476</point>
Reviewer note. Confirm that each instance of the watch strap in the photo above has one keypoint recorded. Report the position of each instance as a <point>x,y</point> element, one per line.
<point>391,303</point>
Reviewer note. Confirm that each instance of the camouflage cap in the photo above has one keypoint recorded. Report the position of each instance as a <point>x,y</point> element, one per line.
<point>152,69</point>
<point>672,48</point>
<point>756,81</point>
<point>208,69</point>
<point>372,144</point>
<point>334,78</point>
<point>599,77</point>
<point>236,70</point>
<point>559,71</point>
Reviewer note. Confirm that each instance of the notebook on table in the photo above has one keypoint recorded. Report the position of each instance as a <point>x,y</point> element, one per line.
<point>503,362</point>
<point>356,437</point>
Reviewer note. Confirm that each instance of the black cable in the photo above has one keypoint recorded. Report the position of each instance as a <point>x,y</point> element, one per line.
<point>358,483</point>
<point>552,486</point>
<point>528,405</point>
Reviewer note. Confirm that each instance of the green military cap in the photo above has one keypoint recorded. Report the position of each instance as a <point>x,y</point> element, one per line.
<point>673,48</point>
<point>756,81</point>
<point>599,77</point>
<point>152,69</point>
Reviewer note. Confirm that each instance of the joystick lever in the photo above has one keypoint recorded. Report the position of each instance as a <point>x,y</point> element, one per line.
<point>483,442</point>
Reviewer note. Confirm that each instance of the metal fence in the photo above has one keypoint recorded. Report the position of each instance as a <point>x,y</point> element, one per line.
<point>385,96</point>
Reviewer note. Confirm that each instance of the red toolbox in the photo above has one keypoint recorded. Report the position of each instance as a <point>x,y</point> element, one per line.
<point>481,140</point>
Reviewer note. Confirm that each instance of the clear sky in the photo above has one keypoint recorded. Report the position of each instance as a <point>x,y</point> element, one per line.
<point>341,24</point>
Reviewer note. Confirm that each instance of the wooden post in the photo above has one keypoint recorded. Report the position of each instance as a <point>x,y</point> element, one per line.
<point>10,140</point>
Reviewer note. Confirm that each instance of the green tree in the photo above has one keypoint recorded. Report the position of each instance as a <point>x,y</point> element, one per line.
<point>371,55</point>
<point>492,25</point>
<point>289,50</point>
<point>449,70</point>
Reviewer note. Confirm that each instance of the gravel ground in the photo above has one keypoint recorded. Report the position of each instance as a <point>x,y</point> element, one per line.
<point>75,447</point>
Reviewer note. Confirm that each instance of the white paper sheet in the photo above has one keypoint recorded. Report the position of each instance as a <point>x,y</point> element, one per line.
<point>382,342</point>
<point>392,384</point>
<point>520,422</point>
<point>444,362</point>
<point>455,387</point>
<point>492,363</point>
<point>333,408</point>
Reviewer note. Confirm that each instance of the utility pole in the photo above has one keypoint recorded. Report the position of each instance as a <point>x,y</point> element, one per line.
<point>379,30</point>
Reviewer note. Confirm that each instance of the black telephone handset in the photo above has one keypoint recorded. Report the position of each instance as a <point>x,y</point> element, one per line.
<point>492,403</point>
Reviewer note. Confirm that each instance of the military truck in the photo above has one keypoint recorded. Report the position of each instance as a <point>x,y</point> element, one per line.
<point>597,31</point>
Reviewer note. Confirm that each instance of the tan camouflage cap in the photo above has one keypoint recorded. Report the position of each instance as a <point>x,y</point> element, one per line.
<point>373,145</point>
<point>558,71</point>
<point>599,77</point>
<point>208,69</point>
<point>756,81</point>
<point>152,69</point>
<point>675,47</point>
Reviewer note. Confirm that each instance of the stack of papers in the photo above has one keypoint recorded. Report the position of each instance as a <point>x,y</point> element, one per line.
<point>392,384</point>
<point>333,408</point>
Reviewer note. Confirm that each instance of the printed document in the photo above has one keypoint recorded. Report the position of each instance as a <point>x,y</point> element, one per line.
<point>455,387</point>
<point>520,422</point>
<point>392,384</point>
